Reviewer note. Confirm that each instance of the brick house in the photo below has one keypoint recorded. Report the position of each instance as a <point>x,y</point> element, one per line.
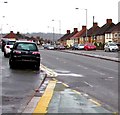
<point>113,34</point>
<point>62,40</point>
<point>65,39</point>
<point>100,34</point>
<point>68,39</point>
<point>11,35</point>
<point>90,34</point>
<point>76,38</point>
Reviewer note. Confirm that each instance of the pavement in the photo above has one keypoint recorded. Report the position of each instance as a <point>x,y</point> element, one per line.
<point>95,54</point>
<point>54,96</point>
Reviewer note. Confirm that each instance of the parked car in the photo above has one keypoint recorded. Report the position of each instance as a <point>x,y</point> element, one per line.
<point>7,46</point>
<point>24,52</point>
<point>89,46</point>
<point>118,44</point>
<point>78,47</point>
<point>3,43</point>
<point>50,47</point>
<point>59,47</point>
<point>110,46</point>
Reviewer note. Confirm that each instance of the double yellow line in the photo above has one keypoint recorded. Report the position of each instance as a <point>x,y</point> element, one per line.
<point>43,103</point>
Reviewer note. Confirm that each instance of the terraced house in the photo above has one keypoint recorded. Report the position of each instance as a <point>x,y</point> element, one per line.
<point>91,34</point>
<point>66,39</point>
<point>113,34</point>
<point>99,35</point>
<point>76,39</point>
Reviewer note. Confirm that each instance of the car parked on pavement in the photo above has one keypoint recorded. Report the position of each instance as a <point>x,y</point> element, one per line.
<point>89,46</point>
<point>78,47</point>
<point>59,47</point>
<point>110,46</point>
<point>7,47</point>
<point>24,53</point>
<point>118,44</point>
<point>3,43</point>
<point>50,47</point>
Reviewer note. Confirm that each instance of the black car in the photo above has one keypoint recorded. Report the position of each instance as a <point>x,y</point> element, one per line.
<point>24,53</point>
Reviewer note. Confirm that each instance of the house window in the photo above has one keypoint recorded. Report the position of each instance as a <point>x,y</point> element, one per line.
<point>119,34</point>
<point>115,35</point>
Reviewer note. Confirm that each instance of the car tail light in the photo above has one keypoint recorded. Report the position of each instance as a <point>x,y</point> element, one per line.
<point>17,52</point>
<point>36,53</point>
<point>8,46</point>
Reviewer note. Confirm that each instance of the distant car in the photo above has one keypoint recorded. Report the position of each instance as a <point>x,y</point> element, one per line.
<point>78,47</point>
<point>24,52</point>
<point>89,46</point>
<point>110,46</point>
<point>7,47</point>
<point>50,47</point>
<point>59,47</point>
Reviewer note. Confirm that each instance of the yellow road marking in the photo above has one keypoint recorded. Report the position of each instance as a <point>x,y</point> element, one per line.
<point>45,99</point>
<point>95,102</point>
<point>77,92</point>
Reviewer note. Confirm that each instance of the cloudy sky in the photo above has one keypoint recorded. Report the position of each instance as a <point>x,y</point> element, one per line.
<point>37,15</point>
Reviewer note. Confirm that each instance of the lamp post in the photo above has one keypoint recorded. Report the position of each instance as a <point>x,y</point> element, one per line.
<point>86,19</point>
<point>2,17</point>
<point>53,30</point>
<point>1,27</point>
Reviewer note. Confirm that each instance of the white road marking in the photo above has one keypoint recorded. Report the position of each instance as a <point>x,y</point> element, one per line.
<point>88,84</point>
<point>53,73</point>
<point>62,71</point>
<point>109,78</point>
<point>70,74</point>
<point>109,69</point>
<point>98,72</point>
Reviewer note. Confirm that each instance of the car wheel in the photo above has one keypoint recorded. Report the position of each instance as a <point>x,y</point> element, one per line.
<point>37,67</point>
<point>5,55</point>
<point>11,64</point>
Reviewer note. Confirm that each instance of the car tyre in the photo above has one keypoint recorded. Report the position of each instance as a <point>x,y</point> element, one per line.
<point>37,67</point>
<point>5,55</point>
<point>11,64</point>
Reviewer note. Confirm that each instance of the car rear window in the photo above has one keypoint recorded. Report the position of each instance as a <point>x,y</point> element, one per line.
<point>10,42</point>
<point>27,46</point>
<point>112,44</point>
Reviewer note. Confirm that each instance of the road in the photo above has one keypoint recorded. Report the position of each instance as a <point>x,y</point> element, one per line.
<point>18,86</point>
<point>94,77</point>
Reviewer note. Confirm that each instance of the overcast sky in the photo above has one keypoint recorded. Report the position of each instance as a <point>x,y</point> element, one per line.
<point>37,15</point>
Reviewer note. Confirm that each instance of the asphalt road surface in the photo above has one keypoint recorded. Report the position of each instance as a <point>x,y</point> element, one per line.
<point>17,86</point>
<point>96,77</point>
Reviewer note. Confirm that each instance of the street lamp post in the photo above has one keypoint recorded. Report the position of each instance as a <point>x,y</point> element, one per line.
<point>86,19</point>
<point>53,31</point>
<point>2,17</point>
<point>1,27</point>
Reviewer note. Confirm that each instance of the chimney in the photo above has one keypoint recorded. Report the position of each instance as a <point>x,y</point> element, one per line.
<point>75,30</point>
<point>83,27</point>
<point>11,31</point>
<point>95,24</point>
<point>68,31</point>
<point>108,21</point>
<point>18,33</point>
